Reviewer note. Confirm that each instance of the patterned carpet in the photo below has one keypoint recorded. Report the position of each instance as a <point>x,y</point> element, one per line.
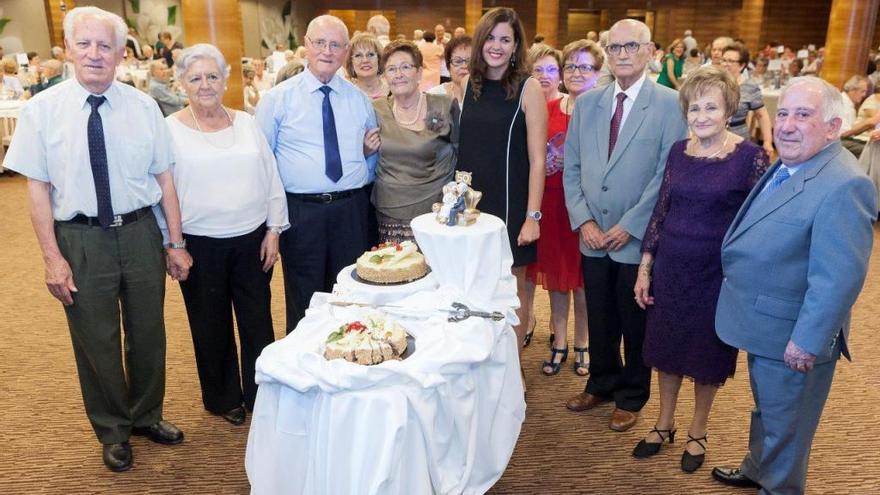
<point>48,446</point>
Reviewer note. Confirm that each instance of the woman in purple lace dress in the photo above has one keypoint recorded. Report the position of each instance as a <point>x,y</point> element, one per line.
<point>707,178</point>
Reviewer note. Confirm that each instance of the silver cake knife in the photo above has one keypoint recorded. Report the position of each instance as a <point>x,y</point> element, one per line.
<point>458,312</point>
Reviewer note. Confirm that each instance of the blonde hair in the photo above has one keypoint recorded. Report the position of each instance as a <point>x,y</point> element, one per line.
<point>539,51</point>
<point>704,79</point>
<point>362,40</point>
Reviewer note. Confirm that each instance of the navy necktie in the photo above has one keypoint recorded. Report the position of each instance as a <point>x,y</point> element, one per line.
<point>98,159</point>
<point>332,160</point>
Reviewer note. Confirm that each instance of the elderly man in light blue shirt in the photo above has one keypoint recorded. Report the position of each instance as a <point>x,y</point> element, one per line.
<point>323,132</point>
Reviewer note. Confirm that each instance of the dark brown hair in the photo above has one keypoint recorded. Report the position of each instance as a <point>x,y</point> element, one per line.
<point>478,67</point>
<point>741,49</point>
<point>454,44</point>
<point>405,46</point>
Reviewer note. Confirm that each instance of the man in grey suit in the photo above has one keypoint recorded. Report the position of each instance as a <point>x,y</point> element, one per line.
<point>615,154</point>
<point>794,261</point>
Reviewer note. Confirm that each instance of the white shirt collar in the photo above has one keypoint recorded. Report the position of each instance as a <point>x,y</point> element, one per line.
<point>313,83</point>
<point>111,93</point>
<point>633,91</point>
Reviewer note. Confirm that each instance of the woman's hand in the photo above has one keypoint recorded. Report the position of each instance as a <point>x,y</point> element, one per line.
<point>372,141</point>
<point>269,250</point>
<point>529,233</point>
<point>642,289</point>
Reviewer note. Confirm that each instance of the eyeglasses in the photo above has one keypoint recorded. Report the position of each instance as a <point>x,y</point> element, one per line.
<point>631,47</point>
<point>361,56</point>
<point>727,61</point>
<point>322,44</point>
<point>583,68</point>
<point>550,70</point>
<point>459,62</point>
<point>404,68</point>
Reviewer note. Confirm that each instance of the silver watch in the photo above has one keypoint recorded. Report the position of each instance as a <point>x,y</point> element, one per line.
<point>534,215</point>
<point>176,245</point>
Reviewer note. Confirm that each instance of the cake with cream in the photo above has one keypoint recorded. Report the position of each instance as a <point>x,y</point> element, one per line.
<point>373,340</point>
<point>390,263</point>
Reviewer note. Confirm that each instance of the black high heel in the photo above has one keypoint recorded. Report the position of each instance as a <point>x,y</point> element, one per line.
<point>528,338</point>
<point>690,462</point>
<point>647,449</point>
<point>552,363</point>
<point>580,361</point>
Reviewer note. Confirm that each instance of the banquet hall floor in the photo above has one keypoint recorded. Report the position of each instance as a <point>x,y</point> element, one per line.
<point>48,446</point>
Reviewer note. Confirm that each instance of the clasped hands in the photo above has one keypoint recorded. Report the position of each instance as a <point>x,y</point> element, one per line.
<point>595,238</point>
<point>797,358</point>
<point>177,263</point>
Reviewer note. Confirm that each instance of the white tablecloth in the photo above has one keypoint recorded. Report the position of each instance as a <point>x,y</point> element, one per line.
<point>444,420</point>
<point>771,101</point>
<point>9,111</point>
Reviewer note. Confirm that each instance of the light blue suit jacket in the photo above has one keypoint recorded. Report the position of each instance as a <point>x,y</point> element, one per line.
<point>623,189</point>
<point>794,262</point>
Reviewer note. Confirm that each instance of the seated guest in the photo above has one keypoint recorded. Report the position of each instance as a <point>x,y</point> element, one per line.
<point>9,83</point>
<point>262,80</point>
<point>458,55</point>
<point>706,180</point>
<point>147,53</point>
<point>362,66</point>
<point>288,71</point>
<point>233,210</point>
<point>545,64</point>
<point>759,75</point>
<point>693,61</point>
<point>795,67</point>
<point>558,267</point>
<point>169,100</point>
<point>673,65</point>
<point>33,75</point>
<point>251,93</point>
<point>419,133</point>
<point>132,41</point>
<point>168,47</point>
<point>734,59</point>
<point>432,54</point>
<point>859,114</point>
<point>51,72</point>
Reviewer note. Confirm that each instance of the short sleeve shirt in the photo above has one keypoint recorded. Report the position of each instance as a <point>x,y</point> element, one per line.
<point>51,145</point>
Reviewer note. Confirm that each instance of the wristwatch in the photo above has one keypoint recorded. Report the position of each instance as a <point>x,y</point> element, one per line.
<point>176,245</point>
<point>534,215</point>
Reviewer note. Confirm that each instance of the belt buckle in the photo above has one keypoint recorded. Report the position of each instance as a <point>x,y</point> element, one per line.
<point>117,221</point>
<point>326,197</point>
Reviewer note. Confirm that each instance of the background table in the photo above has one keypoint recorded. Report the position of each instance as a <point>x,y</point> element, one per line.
<point>9,111</point>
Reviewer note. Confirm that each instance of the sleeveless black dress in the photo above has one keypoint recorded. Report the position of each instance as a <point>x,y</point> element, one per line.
<point>493,145</point>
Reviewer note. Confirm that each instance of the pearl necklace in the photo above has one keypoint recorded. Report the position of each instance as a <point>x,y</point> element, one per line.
<point>205,135</point>
<point>415,119</point>
<point>713,155</point>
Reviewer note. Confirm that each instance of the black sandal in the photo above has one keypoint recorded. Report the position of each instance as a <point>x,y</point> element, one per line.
<point>528,338</point>
<point>647,449</point>
<point>580,361</point>
<point>690,462</point>
<point>552,363</point>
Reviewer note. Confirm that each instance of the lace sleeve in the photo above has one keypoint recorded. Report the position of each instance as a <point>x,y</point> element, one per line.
<point>655,225</point>
<point>760,165</point>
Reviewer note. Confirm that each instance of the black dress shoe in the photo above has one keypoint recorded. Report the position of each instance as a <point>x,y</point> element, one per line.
<point>162,432</point>
<point>117,456</point>
<point>235,416</point>
<point>733,477</point>
<point>691,462</point>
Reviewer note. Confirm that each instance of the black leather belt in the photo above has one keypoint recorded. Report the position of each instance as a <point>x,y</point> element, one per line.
<point>327,197</point>
<point>737,123</point>
<point>118,220</point>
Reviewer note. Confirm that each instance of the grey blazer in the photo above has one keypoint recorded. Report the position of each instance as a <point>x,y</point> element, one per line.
<point>623,189</point>
<point>794,263</point>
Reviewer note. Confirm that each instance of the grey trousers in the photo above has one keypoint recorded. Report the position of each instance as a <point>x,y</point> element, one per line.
<point>120,272</point>
<point>788,406</point>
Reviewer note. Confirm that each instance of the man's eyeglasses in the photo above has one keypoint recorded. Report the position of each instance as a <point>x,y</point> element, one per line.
<point>631,47</point>
<point>727,61</point>
<point>322,44</point>
<point>459,62</point>
<point>404,68</point>
<point>550,70</point>
<point>360,56</point>
<point>583,68</point>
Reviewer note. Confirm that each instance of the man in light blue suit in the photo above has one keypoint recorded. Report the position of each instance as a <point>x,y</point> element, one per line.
<point>615,154</point>
<point>794,261</point>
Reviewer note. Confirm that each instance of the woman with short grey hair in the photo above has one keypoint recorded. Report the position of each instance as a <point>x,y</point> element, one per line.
<point>233,210</point>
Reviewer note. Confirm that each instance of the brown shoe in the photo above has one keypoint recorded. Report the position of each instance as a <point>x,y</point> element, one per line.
<point>623,420</point>
<point>584,401</point>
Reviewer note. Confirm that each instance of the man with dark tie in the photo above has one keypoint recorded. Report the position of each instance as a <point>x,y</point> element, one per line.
<point>615,154</point>
<point>96,153</point>
<point>316,124</point>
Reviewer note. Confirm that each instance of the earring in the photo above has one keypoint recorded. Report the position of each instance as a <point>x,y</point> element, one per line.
<point>512,61</point>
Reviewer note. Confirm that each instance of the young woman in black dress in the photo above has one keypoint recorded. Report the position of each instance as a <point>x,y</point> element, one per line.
<point>504,137</point>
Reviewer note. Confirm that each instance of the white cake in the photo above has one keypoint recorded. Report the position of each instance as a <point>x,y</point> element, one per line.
<point>373,340</point>
<point>392,263</point>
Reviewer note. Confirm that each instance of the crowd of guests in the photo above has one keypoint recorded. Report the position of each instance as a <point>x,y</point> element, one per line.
<point>646,207</point>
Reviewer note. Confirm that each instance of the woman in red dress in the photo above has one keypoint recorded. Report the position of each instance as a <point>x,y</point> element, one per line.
<point>558,268</point>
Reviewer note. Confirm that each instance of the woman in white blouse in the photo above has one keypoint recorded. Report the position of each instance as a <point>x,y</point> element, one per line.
<point>233,210</point>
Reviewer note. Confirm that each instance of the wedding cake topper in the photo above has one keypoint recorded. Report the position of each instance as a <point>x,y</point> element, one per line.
<point>459,206</point>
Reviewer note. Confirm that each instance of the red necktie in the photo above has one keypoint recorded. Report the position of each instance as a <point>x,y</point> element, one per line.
<point>615,123</point>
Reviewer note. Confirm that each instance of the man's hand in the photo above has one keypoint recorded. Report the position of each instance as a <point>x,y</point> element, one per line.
<point>269,250</point>
<point>797,358</point>
<point>592,235</point>
<point>59,280</point>
<point>178,262</point>
<point>529,232</point>
<point>371,141</point>
<point>875,134</point>
<point>616,238</point>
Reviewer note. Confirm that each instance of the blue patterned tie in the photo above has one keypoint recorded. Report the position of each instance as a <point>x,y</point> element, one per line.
<point>781,176</point>
<point>98,159</point>
<point>332,160</point>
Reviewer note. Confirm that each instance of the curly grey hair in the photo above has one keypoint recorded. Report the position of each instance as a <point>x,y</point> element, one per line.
<point>200,51</point>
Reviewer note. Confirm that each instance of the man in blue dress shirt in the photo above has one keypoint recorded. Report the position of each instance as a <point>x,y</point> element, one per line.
<point>316,124</point>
